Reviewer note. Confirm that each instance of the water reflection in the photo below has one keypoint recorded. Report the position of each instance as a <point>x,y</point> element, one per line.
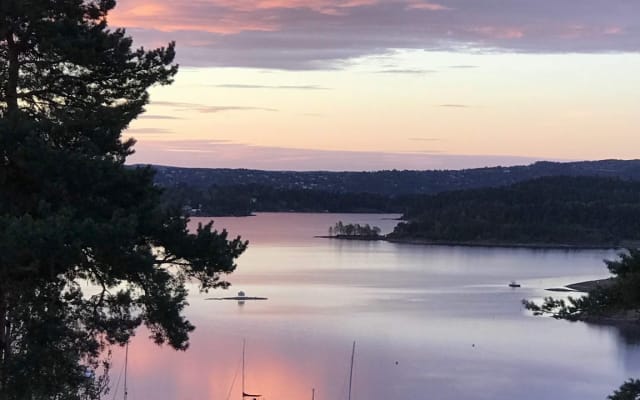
<point>629,333</point>
<point>430,322</point>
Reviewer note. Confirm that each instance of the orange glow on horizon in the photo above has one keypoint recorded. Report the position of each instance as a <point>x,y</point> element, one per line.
<point>210,371</point>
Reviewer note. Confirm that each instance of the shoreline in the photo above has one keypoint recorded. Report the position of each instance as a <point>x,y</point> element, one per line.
<point>541,246</point>
<point>619,319</point>
<point>344,237</point>
<point>583,287</point>
<point>550,246</point>
<point>587,286</point>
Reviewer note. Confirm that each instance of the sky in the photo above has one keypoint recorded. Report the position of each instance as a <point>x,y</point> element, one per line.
<point>384,84</point>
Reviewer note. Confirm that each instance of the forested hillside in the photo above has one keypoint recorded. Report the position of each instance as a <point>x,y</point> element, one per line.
<point>216,192</point>
<point>393,182</point>
<point>242,200</point>
<point>553,210</point>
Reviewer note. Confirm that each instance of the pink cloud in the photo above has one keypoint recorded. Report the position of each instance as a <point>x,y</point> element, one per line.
<point>320,34</point>
<point>589,32</point>
<point>420,5</point>
<point>198,16</point>
<point>219,16</point>
<point>496,32</point>
<point>614,30</point>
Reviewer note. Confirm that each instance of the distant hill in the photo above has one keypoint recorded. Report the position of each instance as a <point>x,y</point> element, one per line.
<point>394,182</point>
<point>241,200</point>
<point>583,211</point>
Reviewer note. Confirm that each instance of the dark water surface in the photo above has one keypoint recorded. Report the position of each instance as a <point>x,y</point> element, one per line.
<point>430,322</point>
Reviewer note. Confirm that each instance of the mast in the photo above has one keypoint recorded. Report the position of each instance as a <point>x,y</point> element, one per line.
<point>126,362</point>
<point>313,394</point>
<point>353,352</point>
<point>245,394</point>
<point>243,345</point>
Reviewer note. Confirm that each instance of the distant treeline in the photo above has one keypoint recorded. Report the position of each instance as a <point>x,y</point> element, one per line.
<point>552,210</point>
<point>216,192</point>
<point>392,182</point>
<point>240,200</point>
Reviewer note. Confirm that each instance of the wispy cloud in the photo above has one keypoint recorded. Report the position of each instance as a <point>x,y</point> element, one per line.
<point>208,153</point>
<point>276,87</point>
<point>145,131</point>
<point>406,71</point>
<point>425,139</point>
<point>158,117</point>
<point>463,66</point>
<point>207,109</point>
<point>425,5</point>
<point>454,105</point>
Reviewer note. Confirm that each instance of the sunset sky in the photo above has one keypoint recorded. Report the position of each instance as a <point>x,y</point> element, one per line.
<point>366,84</point>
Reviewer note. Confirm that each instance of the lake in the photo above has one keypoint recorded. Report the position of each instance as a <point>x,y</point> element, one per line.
<point>429,322</point>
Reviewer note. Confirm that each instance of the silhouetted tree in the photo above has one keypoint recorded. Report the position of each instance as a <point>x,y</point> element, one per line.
<point>70,211</point>
<point>621,295</point>
<point>630,390</point>
<point>354,230</point>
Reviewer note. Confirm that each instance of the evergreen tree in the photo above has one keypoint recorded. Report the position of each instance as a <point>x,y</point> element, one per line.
<point>616,297</point>
<point>70,211</point>
<point>630,390</point>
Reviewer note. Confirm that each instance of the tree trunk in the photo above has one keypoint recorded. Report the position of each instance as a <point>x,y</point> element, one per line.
<point>13,75</point>
<point>3,345</point>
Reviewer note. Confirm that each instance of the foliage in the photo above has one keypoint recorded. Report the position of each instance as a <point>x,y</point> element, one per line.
<point>630,390</point>
<point>71,212</point>
<point>618,299</point>
<point>365,231</point>
<point>246,199</point>
<point>392,183</point>
<point>553,210</point>
<point>628,264</point>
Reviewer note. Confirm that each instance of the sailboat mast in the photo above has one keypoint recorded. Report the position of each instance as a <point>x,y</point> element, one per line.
<point>126,365</point>
<point>313,394</point>
<point>243,346</point>
<point>353,352</point>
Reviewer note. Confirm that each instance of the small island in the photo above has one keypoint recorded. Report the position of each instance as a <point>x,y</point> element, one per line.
<point>354,232</point>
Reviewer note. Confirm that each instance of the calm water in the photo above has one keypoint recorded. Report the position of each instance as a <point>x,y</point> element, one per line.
<point>430,322</point>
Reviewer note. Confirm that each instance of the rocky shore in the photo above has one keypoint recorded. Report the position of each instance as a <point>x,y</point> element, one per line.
<point>620,318</point>
<point>588,286</point>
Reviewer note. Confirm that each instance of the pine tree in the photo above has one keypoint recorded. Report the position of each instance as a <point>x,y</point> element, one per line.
<point>630,390</point>
<point>71,211</point>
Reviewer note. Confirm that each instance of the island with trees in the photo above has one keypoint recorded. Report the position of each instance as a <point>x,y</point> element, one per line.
<point>354,232</point>
<point>563,212</point>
